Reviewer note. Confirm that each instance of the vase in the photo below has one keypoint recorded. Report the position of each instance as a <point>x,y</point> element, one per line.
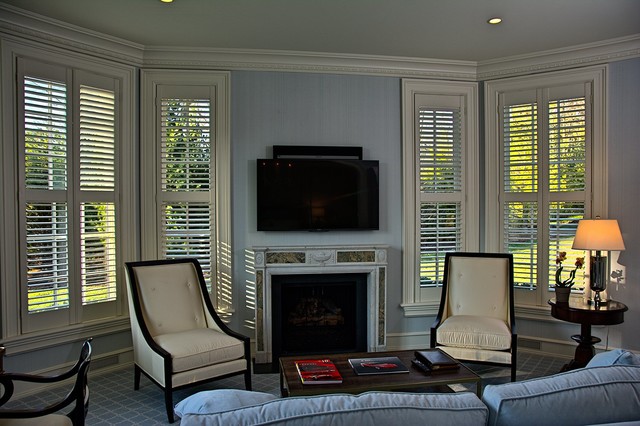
<point>562,294</point>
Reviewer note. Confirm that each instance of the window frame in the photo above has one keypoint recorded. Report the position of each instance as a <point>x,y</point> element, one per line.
<point>13,330</point>
<point>417,301</point>
<point>594,78</point>
<point>219,84</point>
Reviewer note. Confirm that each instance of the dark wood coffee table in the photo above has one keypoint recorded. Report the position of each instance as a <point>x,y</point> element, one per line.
<point>415,380</point>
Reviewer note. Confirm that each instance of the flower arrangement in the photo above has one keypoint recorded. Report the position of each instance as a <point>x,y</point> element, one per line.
<point>562,256</point>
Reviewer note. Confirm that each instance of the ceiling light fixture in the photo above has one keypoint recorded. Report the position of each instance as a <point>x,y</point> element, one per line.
<point>166,1</point>
<point>494,21</point>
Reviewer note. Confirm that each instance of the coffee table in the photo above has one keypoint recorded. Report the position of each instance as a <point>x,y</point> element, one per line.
<point>415,380</point>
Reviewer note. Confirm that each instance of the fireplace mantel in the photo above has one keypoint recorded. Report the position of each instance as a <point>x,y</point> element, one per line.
<point>369,259</point>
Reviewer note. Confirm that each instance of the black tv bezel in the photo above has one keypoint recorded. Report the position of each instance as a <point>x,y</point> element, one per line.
<point>260,226</point>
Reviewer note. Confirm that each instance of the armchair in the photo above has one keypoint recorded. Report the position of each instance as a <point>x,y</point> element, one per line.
<point>476,320</point>
<point>78,395</point>
<point>178,338</point>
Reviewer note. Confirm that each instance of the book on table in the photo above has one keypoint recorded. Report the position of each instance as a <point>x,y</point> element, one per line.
<point>378,365</point>
<point>318,372</point>
<point>436,359</point>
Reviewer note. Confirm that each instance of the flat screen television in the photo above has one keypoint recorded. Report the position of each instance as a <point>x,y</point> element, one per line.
<point>317,194</point>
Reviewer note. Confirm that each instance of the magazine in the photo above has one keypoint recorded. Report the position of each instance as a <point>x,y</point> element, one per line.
<point>380,365</point>
<point>318,372</point>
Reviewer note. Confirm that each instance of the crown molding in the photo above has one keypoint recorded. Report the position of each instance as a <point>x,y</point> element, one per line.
<point>22,24</point>
<point>554,60</point>
<point>320,62</point>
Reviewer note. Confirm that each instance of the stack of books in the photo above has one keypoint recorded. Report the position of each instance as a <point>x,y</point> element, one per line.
<point>318,372</point>
<point>435,360</point>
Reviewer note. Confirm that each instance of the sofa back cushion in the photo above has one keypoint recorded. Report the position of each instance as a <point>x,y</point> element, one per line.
<point>370,408</point>
<point>585,396</point>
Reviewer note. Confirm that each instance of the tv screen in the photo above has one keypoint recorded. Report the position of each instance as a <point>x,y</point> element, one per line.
<point>317,194</point>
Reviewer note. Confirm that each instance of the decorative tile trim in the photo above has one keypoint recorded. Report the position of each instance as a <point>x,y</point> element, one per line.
<point>286,257</point>
<point>356,256</point>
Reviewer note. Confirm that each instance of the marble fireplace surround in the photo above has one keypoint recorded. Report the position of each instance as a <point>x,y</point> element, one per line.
<point>357,259</point>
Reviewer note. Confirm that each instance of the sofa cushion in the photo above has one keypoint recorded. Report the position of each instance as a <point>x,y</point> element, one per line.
<point>469,331</point>
<point>371,408</point>
<point>614,357</point>
<point>200,347</point>
<point>215,401</point>
<point>584,396</point>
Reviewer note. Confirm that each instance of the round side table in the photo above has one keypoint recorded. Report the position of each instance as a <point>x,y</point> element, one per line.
<point>579,312</point>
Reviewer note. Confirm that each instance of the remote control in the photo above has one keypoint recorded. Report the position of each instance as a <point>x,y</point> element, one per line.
<point>421,366</point>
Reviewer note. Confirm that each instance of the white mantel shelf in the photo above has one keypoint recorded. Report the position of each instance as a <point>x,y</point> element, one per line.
<point>289,260</point>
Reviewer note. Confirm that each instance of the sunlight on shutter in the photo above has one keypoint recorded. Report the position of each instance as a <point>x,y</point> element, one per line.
<point>97,139</point>
<point>47,257</point>
<point>521,239</point>
<point>185,167</point>
<point>45,127</point>
<point>186,232</point>
<point>567,145</point>
<point>186,144</point>
<point>98,252</point>
<point>440,159</point>
<point>520,148</point>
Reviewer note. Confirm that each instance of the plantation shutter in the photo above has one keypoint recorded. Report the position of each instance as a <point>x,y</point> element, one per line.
<point>544,185</point>
<point>186,170</point>
<point>441,189</point>
<point>97,186</point>
<point>68,163</point>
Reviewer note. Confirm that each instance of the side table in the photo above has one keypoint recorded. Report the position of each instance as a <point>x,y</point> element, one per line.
<point>579,312</point>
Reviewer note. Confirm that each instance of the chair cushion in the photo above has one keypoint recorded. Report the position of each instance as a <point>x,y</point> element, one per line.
<point>470,331</point>
<point>200,347</point>
<point>50,420</point>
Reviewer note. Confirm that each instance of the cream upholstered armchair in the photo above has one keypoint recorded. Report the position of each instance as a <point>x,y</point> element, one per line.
<point>178,338</point>
<point>476,320</point>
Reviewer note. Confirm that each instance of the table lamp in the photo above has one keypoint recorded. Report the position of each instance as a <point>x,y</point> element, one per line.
<point>598,235</point>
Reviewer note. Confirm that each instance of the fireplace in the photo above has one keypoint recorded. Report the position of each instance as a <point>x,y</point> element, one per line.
<point>295,269</point>
<point>318,313</point>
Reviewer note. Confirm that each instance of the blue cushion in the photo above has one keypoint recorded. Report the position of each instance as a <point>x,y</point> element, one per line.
<point>220,400</point>
<point>370,408</point>
<point>614,357</point>
<point>584,396</point>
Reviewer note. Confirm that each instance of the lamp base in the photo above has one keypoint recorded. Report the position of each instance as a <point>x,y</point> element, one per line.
<point>597,300</point>
<point>598,277</point>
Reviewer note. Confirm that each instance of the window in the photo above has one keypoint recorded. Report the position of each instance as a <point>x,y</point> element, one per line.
<point>544,144</point>
<point>68,134</point>
<point>440,179</point>
<point>187,185</point>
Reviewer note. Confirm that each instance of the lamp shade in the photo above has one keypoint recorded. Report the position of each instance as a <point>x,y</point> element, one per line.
<point>598,234</point>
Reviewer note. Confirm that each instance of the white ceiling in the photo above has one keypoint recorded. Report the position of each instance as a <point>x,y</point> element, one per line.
<point>434,29</point>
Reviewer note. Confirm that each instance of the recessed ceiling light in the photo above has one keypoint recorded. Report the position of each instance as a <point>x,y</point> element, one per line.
<point>166,1</point>
<point>494,21</point>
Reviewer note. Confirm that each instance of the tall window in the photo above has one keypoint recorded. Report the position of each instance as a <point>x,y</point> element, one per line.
<point>186,188</point>
<point>439,185</point>
<point>67,138</point>
<point>545,148</point>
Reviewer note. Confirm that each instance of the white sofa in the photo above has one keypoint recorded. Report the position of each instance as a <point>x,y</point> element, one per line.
<point>607,391</point>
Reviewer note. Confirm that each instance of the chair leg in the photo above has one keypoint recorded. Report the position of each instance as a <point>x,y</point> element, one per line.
<point>247,379</point>
<point>136,377</point>
<point>168,402</point>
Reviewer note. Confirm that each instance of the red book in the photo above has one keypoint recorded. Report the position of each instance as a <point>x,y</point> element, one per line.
<point>318,372</point>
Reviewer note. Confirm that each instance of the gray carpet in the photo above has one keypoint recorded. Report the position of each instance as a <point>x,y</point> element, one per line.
<point>114,402</point>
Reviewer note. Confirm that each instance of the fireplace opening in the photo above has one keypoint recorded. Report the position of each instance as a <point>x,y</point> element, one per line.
<point>318,313</point>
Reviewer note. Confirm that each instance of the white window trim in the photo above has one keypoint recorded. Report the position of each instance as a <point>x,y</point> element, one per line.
<point>9,219</point>
<point>222,267</point>
<point>493,171</point>
<point>469,93</point>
